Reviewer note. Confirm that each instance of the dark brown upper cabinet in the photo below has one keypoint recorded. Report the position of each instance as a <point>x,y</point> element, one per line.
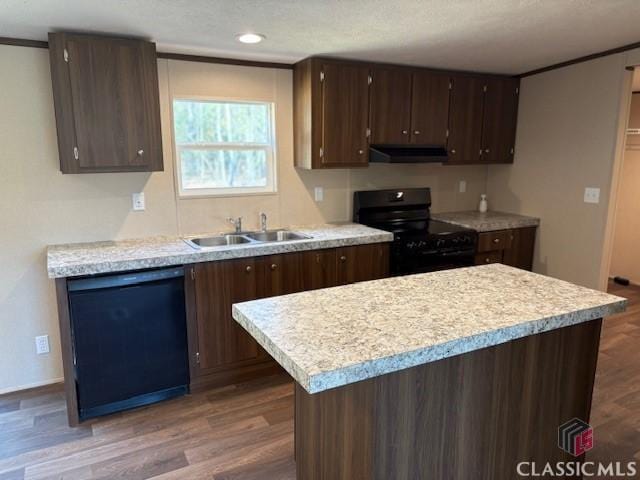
<point>341,107</point>
<point>390,106</point>
<point>500,114</point>
<point>430,108</point>
<point>465,119</point>
<point>331,117</point>
<point>409,107</point>
<point>105,92</point>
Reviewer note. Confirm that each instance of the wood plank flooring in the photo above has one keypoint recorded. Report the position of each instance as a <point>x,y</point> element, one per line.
<point>241,432</point>
<point>245,431</point>
<point>615,414</point>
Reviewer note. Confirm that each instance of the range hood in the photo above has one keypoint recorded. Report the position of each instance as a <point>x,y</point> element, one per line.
<point>407,154</point>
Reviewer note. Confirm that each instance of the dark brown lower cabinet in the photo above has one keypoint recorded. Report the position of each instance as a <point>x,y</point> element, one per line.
<point>361,263</point>
<point>470,416</point>
<point>221,351</point>
<point>512,247</point>
<point>218,285</point>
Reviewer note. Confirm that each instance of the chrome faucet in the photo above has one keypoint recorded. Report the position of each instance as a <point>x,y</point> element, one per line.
<point>263,222</point>
<point>237,223</point>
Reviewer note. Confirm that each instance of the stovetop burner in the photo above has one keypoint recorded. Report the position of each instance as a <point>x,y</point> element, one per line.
<point>420,228</point>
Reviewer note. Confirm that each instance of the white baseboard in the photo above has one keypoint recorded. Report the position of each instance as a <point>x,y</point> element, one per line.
<point>31,385</point>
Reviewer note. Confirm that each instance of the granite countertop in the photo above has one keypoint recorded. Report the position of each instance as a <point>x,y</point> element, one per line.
<point>336,336</point>
<point>487,222</point>
<point>76,259</point>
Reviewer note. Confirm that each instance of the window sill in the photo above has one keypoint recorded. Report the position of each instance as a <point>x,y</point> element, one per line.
<point>224,195</point>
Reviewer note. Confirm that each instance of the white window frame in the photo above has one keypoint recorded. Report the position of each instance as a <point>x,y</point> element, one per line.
<point>270,149</point>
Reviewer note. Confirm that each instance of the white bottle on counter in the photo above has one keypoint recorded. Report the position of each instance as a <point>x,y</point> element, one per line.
<point>482,208</point>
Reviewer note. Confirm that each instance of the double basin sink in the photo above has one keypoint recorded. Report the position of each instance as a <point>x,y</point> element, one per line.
<point>268,236</point>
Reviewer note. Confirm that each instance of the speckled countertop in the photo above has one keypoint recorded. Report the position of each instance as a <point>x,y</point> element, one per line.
<point>486,222</point>
<point>76,259</point>
<point>336,336</point>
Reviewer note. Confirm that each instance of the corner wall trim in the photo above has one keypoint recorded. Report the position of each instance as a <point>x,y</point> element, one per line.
<point>223,60</point>
<point>585,58</point>
<point>21,42</point>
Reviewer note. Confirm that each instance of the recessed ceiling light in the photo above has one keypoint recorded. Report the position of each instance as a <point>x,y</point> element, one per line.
<point>250,37</point>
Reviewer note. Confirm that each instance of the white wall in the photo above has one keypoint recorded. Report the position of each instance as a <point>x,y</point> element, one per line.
<point>40,206</point>
<point>566,140</point>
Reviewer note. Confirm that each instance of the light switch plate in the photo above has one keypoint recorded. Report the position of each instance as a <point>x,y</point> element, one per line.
<point>318,194</point>
<point>42,344</point>
<point>463,186</point>
<point>138,201</point>
<point>591,195</point>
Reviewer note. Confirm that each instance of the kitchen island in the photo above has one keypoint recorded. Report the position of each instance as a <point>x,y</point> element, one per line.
<point>453,374</point>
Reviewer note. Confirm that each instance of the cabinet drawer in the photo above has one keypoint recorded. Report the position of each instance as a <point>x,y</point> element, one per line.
<point>489,257</point>
<point>492,241</point>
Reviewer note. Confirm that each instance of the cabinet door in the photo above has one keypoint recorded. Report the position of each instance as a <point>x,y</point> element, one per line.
<point>520,251</point>
<point>218,285</point>
<point>280,274</point>
<point>390,106</point>
<point>486,258</point>
<point>430,108</point>
<point>112,87</point>
<point>345,111</point>
<point>465,120</point>
<point>362,262</point>
<point>500,114</point>
<point>319,269</point>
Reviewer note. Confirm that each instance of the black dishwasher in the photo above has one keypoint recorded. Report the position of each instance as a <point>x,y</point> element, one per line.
<point>129,339</point>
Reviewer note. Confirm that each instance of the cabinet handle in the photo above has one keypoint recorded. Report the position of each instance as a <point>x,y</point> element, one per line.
<point>343,258</point>
<point>248,269</point>
<point>360,152</point>
<point>496,240</point>
<point>486,150</point>
<point>140,152</point>
<point>274,266</point>
<point>416,132</point>
<point>487,260</point>
<point>405,132</point>
<point>453,151</point>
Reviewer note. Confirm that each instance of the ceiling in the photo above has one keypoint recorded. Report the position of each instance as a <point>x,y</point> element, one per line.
<point>501,36</point>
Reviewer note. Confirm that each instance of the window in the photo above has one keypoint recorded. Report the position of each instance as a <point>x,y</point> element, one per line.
<point>224,147</point>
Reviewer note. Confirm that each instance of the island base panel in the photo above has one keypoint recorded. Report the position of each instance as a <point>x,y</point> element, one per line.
<point>470,416</point>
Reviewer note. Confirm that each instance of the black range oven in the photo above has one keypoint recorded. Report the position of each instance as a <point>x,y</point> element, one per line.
<point>420,244</point>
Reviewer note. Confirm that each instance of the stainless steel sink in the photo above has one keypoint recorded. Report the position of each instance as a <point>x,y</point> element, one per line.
<point>219,241</point>
<point>277,236</point>
<point>269,236</point>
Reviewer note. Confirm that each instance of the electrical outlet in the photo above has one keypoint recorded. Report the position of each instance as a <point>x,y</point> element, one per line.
<point>318,193</point>
<point>138,201</point>
<point>42,344</point>
<point>591,195</point>
<point>463,186</point>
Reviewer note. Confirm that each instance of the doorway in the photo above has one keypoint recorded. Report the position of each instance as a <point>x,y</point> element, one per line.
<point>625,250</point>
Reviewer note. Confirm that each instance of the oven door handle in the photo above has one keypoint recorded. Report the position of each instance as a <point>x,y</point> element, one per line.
<point>459,253</point>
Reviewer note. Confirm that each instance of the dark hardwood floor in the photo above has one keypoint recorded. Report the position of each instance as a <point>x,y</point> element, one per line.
<point>242,432</point>
<point>615,414</point>
<point>245,432</point>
